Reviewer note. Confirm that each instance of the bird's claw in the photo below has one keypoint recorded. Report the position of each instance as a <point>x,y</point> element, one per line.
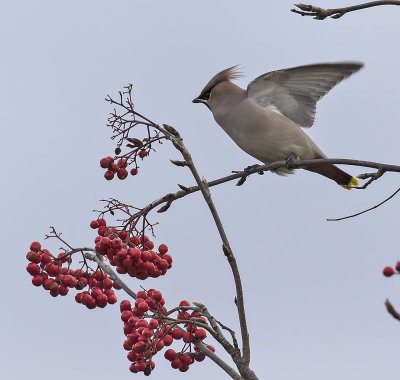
<point>253,168</point>
<point>290,159</point>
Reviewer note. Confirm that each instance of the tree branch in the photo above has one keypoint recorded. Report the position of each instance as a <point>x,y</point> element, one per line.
<point>107,268</point>
<point>171,197</point>
<point>217,360</point>
<point>391,310</point>
<point>363,212</point>
<point>321,14</point>
<point>243,362</point>
<point>214,323</point>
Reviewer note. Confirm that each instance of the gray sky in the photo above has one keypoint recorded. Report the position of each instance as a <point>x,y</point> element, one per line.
<point>314,289</point>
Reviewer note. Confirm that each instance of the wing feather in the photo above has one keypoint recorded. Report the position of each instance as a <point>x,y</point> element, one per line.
<point>294,92</point>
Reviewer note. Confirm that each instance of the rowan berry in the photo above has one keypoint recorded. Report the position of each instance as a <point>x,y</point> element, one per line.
<point>35,246</point>
<point>388,271</point>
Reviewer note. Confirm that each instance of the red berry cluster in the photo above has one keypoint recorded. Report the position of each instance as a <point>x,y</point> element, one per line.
<point>389,271</point>
<point>99,293</point>
<point>131,254</point>
<point>48,271</point>
<point>148,333</point>
<point>119,166</point>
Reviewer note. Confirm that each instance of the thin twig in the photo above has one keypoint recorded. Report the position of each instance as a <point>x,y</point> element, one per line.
<point>391,310</point>
<point>363,212</point>
<point>321,14</point>
<point>214,324</point>
<point>372,177</point>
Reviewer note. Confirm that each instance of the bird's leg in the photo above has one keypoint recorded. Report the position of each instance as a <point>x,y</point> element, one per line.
<point>290,159</point>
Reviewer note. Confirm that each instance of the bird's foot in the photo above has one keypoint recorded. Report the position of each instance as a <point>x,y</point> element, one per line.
<point>253,168</point>
<point>290,159</point>
<point>249,170</point>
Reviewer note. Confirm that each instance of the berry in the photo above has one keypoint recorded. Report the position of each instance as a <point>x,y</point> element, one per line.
<point>153,324</point>
<point>176,363</point>
<point>37,280</point>
<point>122,173</point>
<point>94,224</point>
<point>200,334</point>
<point>33,269</point>
<point>140,366</point>
<point>121,163</point>
<point>141,323</point>
<point>156,295</point>
<point>143,307</point>
<point>35,246</point>
<point>63,290</point>
<point>398,266</point>
<point>149,244</point>
<point>184,303</point>
<point>388,271</point>
<point>143,153</point>
<point>33,256</point>
<point>177,333</point>
<point>170,355</point>
<point>163,249</point>
<point>211,348</point>
<point>134,171</point>
<point>101,222</point>
<point>183,368</point>
<point>199,358</point>
<point>188,337</point>
<point>104,162</point>
<point>109,175</point>
<point>147,333</point>
<point>125,315</point>
<point>187,359</point>
<point>168,340</point>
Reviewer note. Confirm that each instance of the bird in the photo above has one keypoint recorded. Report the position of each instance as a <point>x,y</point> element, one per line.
<point>267,119</point>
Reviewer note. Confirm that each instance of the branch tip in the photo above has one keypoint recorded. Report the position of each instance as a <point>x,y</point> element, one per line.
<point>179,163</point>
<point>184,188</point>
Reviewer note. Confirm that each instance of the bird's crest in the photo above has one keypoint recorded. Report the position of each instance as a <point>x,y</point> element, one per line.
<point>225,75</point>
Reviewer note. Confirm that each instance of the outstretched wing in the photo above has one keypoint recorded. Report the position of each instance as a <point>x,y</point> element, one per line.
<point>294,92</point>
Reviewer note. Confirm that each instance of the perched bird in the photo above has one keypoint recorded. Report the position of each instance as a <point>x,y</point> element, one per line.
<point>266,120</point>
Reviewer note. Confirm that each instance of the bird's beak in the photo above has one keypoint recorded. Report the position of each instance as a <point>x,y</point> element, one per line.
<point>197,100</point>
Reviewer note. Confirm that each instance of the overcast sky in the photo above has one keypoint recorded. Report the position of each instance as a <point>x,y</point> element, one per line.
<point>314,289</point>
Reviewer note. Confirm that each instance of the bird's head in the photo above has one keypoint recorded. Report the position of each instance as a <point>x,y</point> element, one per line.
<point>223,76</point>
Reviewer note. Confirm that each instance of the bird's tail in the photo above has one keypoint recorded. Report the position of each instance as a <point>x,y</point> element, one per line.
<point>334,173</point>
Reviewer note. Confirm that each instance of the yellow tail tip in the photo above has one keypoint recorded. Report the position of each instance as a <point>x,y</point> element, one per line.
<point>353,182</point>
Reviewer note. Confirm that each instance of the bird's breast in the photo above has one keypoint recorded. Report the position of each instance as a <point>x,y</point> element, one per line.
<point>265,135</point>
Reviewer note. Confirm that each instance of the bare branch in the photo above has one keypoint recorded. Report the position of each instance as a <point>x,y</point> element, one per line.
<point>243,364</point>
<point>391,310</point>
<point>171,197</point>
<point>372,177</point>
<point>321,14</point>
<point>217,360</point>
<point>214,324</point>
<point>363,212</point>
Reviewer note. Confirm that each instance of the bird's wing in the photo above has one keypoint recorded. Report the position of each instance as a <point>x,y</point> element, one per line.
<point>294,92</point>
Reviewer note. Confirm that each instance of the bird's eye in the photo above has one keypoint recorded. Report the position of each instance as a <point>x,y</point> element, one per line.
<point>207,95</point>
